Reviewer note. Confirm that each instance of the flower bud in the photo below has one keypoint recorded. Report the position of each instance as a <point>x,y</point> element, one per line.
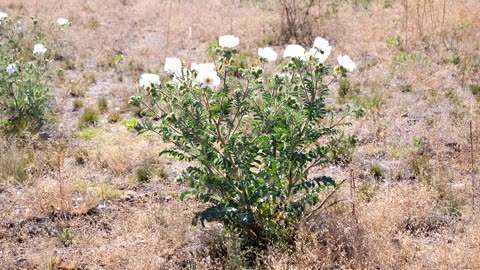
<point>135,101</point>
<point>292,103</point>
<point>171,118</point>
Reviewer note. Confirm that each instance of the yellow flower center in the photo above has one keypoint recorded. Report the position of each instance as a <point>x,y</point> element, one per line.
<point>208,80</point>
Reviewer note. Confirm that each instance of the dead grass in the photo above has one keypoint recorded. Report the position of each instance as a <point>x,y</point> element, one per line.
<point>414,206</point>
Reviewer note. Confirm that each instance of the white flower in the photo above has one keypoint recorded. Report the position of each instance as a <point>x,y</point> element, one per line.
<point>62,21</point>
<point>172,65</point>
<point>321,50</point>
<point>12,68</point>
<point>294,51</point>
<point>208,78</point>
<point>321,44</point>
<point>228,41</point>
<point>202,67</point>
<point>3,16</point>
<point>147,79</point>
<point>39,48</point>
<point>346,62</point>
<point>267,53</point>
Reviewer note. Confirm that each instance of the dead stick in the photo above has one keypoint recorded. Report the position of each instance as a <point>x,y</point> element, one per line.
<point>473,165</point>
<point>168,27</point>
<point>352,195</point>
<point>327,198</point>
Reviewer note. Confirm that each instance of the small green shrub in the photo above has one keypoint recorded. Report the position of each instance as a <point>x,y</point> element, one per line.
<point>362,3</point>
<point>87,134</point>
<point>402,57</point>
<point>457,116</point>
<point>77,104</point>
<point>68,64</point>
<point>114,117</point>
<point>419,144</point>
<point>267,41</point>
<point>102,104</point>
<point>344,88</point>
<point>475,90</point>
<point>212,46</point>
<point>92,24</point>
<point>66,237</point>
<point>144,174</point>
<point>111,60</point>
<point>89,79</point>
<point>376,171</point>
<point>371,103</point>
<point>453,97</point>
<point>147,172</point>
<point>75,89</point>
<point>108,192</point>
<point>367,190</point>
<point>397,151</point>
<point>421,167</point>
<point>405,88</point>
<point>394,41</point>
<point>132,124</point>
<point>88,118</point>
<point>455,58</point>
<point>162,173</point>
<point>81,156</point>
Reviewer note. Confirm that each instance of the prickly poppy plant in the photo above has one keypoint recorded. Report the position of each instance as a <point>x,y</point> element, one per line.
<point>24,91</point>
<point>254,138</point>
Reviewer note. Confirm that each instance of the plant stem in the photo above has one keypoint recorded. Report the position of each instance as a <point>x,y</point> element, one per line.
<point>472,160</point>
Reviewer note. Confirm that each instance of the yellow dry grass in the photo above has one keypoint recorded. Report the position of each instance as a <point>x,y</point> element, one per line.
<point>413,201</point>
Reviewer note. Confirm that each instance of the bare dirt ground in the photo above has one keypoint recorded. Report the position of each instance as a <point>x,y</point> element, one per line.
<point>78,201</point>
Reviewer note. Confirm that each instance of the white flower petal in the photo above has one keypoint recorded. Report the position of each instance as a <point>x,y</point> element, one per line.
<point>39,49</point>
<point>267,53</point>
<point>322,56</point>
<point>228,41</point>
<point>172,65</point>
<point>147,79</point>
<point>62,21</point>
<point>320,43</point>
<point>203,67</point>
<point>293,50</point>
<point>3,15</point>
<point>12,68</point>
<point>208,78</point>
<point>321,50</point>
<point>346,63</point>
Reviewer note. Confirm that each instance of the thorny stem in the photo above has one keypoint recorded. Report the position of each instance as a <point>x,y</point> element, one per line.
<point>232,131</point>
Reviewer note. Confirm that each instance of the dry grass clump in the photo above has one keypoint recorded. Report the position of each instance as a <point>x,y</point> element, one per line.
<point>22,160</point>
<point>15,164</point>
<point>118,152</point>
<point>102,104</point>
<point>89,118</point>
<point>77,104</point>
<point>400,219</point>
<point>330,241</point>
<point>111,206</point>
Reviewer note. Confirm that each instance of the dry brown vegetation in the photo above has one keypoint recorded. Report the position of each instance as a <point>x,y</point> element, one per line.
<point>101,198</point>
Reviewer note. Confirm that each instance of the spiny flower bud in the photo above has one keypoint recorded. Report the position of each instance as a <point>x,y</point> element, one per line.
<point>171,118</point>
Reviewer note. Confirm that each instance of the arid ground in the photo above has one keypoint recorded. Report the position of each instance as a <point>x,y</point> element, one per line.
<point>102,198</point>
